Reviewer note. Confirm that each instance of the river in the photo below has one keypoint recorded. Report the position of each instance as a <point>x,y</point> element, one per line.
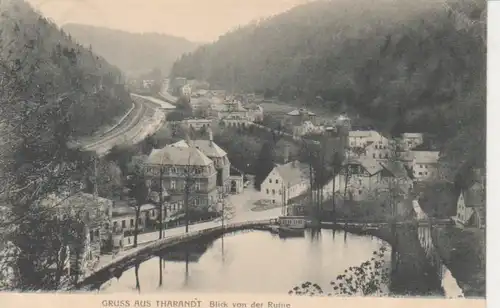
<point>254,261</point>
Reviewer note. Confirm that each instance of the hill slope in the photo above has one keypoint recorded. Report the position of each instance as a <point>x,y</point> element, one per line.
<point>134,53</point>
<point>408,65</point>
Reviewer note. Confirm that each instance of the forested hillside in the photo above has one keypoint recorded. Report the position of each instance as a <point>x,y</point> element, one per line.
<point>407,65</point>
<point>51,90</point>
<point>134,53</point>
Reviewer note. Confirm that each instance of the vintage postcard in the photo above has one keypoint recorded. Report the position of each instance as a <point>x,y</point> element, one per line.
<point>243,153</point>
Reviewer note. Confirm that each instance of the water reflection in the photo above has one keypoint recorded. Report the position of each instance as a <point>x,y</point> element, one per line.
<point>448,282</point>
<point>137,282</point>
<point>253,261</point>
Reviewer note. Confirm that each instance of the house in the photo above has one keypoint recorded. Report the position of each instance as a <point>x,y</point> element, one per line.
<point>411,140</point>
<point>256,112</point>
<point>297,117</point>
<point>234,114</point>
<point>424,164</point>
<point>362,138</point>
<point>286,182</point>
<point>471,204</point>
<point>220,160</point>
<point>367,176</point>
<point>236,181</point>
<point>197,124</point>
<point>379,148</point>
<point>183,170</point>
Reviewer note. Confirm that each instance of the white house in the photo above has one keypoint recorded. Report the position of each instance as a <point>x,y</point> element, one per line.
<point>411,140</point>
<point>198,124</point>
<point>285,182</point>
<point>471,206</point>
<point>361,138</point>
<point>424,164</point>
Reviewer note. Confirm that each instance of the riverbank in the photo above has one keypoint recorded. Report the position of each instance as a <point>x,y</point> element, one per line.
<point>464,253</point>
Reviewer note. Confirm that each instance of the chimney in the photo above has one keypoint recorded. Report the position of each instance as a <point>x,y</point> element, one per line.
<point>286,154</point>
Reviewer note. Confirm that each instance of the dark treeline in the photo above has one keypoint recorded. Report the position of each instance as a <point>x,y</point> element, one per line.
<point>410,66</point>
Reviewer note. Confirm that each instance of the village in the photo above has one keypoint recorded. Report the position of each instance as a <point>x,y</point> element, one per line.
<point>192,181</point>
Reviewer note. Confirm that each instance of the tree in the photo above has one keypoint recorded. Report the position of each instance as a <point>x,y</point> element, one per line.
<point>264,163</point>
<point>138,193</point>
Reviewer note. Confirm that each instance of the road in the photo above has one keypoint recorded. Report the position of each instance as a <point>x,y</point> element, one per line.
<point>144,116</point>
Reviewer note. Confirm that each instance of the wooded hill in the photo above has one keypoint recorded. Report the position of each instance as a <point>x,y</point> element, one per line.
<point>133,53</point>
<point>407,65</point>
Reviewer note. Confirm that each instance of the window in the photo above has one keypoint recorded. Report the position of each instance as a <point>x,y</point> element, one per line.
<point>267,191</point>
<point>274,201</point>
<point>87,216</point>
<point>197,185</point>
<point>274,192</point>
<point>97,233</point>
<point>277,181</point>
<point>172,184</point>
<point>153,213</point>
<point>386,155</point>
<point>270,180</point>
<point>360,192</point>
<point>115,225</point>
<point>420,173</point>
<point>123,224</point>
<point>374,156</point>
<point>91,236</point>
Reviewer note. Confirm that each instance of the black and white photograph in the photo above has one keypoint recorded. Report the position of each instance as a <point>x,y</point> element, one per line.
<point>326,148</point>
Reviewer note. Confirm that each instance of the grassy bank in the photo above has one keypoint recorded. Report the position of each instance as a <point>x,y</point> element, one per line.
<point>464,253</point>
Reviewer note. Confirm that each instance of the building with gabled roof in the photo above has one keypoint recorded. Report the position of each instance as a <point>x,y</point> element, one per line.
<point>285,182</point>
<point>183,170</point>
<point>471,204</point>
<point>367,175</point>
<point>424,164</point>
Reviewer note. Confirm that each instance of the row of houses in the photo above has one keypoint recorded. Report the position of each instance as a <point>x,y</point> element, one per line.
<point>373,145</point>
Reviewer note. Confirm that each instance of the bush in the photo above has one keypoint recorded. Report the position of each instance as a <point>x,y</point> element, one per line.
<point>366,279</point>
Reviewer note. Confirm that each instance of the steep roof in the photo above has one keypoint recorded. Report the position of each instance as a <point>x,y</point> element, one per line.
<point>426,157</point>
<point>180,156</point>
<point>371,165</point>
<point>209,148</point>
<point>362,133</point>
<point>395,168</point>
<point>293,173</point>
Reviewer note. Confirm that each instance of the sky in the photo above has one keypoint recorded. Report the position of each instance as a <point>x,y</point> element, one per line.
<point>196,20</point>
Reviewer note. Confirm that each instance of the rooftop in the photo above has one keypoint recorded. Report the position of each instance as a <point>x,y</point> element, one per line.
<point>209,148</point>
<point>371,165</point>
<point>426,157</point>
<point>297,112</point>
<point>293,172</point>
<point>180,156</point>
<point>363,133</point>
<point>412,135</point>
